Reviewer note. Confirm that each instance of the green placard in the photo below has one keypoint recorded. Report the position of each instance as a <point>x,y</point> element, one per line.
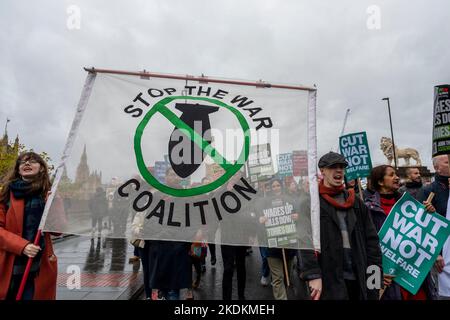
<point>285,165</point>
<point>410,241</point>
<point>355,149</point>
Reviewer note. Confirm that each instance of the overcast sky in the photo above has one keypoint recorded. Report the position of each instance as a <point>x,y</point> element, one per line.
<point>327,43</point>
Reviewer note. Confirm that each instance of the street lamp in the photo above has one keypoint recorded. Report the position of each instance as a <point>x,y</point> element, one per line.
<point>392,132</point>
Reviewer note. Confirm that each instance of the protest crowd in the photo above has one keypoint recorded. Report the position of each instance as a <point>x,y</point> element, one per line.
<point>319,235</point>
<point>350,219</point>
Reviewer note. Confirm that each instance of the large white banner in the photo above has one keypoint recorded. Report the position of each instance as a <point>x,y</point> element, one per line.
<point>167,159</point>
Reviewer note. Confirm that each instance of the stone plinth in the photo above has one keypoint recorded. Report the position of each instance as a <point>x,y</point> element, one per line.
<point>424,172</point>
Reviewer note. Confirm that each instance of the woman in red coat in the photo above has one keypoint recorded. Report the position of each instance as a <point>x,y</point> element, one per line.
<point>22,200</point>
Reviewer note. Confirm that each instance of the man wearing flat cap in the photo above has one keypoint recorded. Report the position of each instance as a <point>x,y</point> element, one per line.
<point>349,241</point>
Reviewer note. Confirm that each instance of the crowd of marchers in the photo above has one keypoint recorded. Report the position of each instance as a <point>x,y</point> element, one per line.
<point>350,219</point>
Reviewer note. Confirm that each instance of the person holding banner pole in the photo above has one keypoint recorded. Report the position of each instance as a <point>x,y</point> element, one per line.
<point>348,240</point>
<point>385,186</point>
<point>440,187</point>
<point>280,260</point>
<point>22,202</point>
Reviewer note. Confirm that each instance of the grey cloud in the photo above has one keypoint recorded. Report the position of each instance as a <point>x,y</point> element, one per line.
<point>321,42</point>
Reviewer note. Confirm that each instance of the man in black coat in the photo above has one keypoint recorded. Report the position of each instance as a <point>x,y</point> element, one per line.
<point>98,207</point>
<point>440,188</point>
<point>349,242</point>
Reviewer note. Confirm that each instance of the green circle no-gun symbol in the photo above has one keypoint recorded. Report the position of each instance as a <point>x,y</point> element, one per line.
<point>230,168</point>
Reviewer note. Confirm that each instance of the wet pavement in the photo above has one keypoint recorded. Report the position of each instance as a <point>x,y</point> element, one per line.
<point>96,268</point>
<point>101,267</point>
<point>211,282</point>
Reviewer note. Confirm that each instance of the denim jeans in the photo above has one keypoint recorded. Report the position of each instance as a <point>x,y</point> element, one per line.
<point>171,294</point>
<point>265,265</point>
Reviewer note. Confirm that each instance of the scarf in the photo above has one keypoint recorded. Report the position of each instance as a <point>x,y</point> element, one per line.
<point>414,185</point>
<point>328,194</point>
<point>20,188</point>
<point>387,201</point>
<point>33,210</point>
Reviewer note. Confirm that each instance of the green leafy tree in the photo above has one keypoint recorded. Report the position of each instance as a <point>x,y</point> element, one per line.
<point>8,159</point>
<point>6,162</point>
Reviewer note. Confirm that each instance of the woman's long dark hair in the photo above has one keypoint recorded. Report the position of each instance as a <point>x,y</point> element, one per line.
<point>377,175</point>
<point>41,183</point>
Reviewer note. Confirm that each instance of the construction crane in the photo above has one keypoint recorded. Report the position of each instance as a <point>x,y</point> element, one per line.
<point>343,127</point>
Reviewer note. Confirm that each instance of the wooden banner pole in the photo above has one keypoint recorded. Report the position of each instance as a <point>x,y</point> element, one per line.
<point>286,272</point>
<point>360,189</point>
<point>430,197</point>
<point>201,79</point>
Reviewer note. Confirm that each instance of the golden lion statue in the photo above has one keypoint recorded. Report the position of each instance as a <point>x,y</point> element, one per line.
<point>406,154</point>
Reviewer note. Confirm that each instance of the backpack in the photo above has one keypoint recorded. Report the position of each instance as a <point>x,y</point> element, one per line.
<point>198,250</point>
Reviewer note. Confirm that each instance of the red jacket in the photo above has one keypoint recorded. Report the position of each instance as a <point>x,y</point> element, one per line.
<point>12,244</point>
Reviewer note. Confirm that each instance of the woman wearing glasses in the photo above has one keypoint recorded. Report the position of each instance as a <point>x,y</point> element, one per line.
<point>23,193</point>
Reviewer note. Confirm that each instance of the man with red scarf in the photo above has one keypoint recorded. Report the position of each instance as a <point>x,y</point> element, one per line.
<point>349,241</point>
